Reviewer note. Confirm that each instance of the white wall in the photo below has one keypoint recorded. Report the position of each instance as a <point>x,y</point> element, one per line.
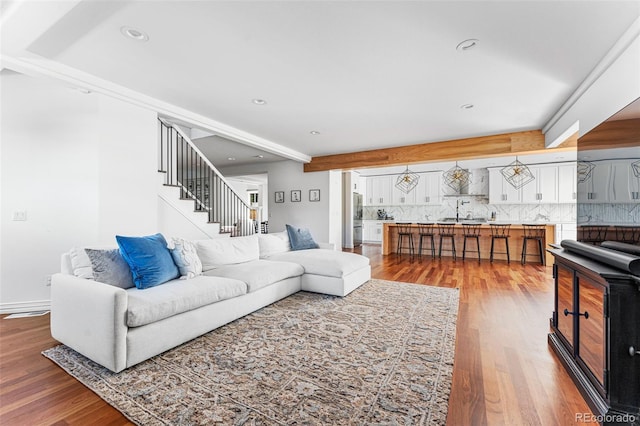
<point>82,166</point>
<point>172,223</point>
<point>128,165</point>
<point>319,217</point>
<point>335,208</point>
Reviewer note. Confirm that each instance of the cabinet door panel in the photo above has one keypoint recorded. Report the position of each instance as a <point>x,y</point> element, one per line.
<point>567,191</point>
<point>595,188</point>
<point>434,188</point>
<point>547,178</point>
<point>592,328</point>
<point>565,304</point>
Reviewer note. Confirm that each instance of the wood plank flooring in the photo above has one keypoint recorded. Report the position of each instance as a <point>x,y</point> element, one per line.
<point>504,372</point>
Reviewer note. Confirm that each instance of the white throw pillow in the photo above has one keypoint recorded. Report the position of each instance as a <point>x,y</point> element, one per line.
<point>275,243</point>
<point>227,251</point>
<point>186,258</point>
<point>80,263</point>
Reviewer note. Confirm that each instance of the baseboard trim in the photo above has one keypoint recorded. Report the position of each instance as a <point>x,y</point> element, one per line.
<point>30,306</point>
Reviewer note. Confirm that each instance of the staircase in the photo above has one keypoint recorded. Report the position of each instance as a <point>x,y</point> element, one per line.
<point>185,167</point>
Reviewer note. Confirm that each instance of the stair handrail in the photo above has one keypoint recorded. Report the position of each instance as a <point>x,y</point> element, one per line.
<point>213,212</point>
<point>204,157</point>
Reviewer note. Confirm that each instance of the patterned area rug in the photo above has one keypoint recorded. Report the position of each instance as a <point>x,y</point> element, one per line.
<point>381,355</point>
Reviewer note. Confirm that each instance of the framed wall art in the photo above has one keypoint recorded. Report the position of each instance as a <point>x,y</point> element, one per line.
<point>296,196</point>
<point>314,195</point>
<point>279,197</point>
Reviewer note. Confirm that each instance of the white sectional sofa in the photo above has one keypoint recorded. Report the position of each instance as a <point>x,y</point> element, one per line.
<point>120,327</point>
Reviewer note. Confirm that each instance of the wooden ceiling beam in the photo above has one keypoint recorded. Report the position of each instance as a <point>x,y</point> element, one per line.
<point>611,134</point>
<point>520,143</point>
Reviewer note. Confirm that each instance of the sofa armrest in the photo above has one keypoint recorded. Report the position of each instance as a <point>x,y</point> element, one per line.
<point>90,317</point>
<point>327,246</point>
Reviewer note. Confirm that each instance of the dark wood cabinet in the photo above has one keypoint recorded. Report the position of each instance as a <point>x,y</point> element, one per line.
<point>595,331</point>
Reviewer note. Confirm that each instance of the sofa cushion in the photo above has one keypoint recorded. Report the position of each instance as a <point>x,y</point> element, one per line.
<point>300,238</point>
<point>186,258</point>
<point>325,262</point>
<point>149,259</point>
<point>277,242</point>
<point>109,267</point>
<point>177,296</point>
<point>227,251</point>
<point>80,263</point>
<point>258,273</point>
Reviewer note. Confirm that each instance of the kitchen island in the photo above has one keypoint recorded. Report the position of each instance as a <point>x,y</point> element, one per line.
<point>390,242</point>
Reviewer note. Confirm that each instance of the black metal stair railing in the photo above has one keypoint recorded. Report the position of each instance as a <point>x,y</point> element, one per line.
<point>186,167</point>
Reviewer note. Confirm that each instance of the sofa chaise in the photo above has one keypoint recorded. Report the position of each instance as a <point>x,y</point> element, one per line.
<point>118,326</point>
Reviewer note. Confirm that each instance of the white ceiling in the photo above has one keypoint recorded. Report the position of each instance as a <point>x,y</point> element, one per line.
<point>365,74</point>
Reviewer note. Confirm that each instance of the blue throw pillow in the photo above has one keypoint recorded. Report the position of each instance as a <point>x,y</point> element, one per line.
<point>149,259</point>
<point>300,238</point>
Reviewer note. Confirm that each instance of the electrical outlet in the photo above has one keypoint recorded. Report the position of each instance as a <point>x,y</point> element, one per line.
<point>47,281</point>
<point>19,215</point>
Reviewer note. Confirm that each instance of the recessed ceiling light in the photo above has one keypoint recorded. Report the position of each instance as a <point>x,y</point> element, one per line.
<point>466,106</point>
<point>231,158</point>
<point>134,34</point>
<point>468,44</point>
<point>82,90</point>
<point>314,132</point>
<point>259,101</point>
<point>258,156</point>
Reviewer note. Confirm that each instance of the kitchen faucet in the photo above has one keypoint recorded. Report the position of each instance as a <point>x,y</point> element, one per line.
<point>458,203</point>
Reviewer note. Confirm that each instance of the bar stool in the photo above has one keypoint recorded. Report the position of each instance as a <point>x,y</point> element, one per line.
<point>471,230</point>
<point>447,230</point>
<point>592,234</point>
<point>536,233</point>
<point>427,230</point>
<point>499,232</point>
<point>404,232</point>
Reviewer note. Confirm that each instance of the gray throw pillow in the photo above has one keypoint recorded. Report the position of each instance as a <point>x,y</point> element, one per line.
<point>300,238</point>
<point>109,267</point>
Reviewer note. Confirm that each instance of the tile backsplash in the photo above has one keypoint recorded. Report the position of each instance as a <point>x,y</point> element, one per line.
<point>609,213</point>
<point>478,208</point>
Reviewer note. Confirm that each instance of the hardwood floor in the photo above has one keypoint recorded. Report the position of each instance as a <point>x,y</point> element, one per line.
<point>504,372</point>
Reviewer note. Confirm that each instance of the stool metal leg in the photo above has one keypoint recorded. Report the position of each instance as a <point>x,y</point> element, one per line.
<point>464,248</point>
<point>491,255</point>
<point>506,243</point>
<point>540,249</point>
<point>453,247</point>
<point>433,247</point>
<point>440,249</point>
<point>523,257</point>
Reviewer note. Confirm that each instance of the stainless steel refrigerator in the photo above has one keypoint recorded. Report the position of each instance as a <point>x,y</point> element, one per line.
<point>357,219</point>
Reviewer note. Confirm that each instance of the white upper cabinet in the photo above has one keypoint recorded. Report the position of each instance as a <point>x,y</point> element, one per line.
<point>567,189</point>
<point>400,197</point>
<point>381,191</point>
<point>552,183</point>
<point>378,191</point>
<point>624,185</point>
<point>611,181</point>
<point>544,188</point>
<point>595,188</point>
<point>429,189</point>
<point>501,191</point>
